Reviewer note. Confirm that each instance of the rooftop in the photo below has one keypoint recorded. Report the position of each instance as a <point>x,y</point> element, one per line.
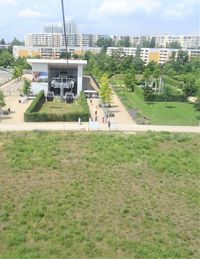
<point>57,61</point>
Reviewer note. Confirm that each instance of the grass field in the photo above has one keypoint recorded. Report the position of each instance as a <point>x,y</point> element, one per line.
<point>81,195</point>
<point>158,113</point>
<point>58,107</point>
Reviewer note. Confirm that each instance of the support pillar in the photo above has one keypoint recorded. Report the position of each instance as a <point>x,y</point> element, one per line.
<point>80,79</point>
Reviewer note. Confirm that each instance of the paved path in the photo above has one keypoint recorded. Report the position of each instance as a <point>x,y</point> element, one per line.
<point>64,126</point>
<point>121,116</point>
<point>11,91</point>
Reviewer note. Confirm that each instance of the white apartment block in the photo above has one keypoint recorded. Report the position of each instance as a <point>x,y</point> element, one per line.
<point>162,41</point>
<point>124,51</point>
<point>185,41</point>
<point>57,39</point>
<point>158,55</point>
<point>43,39</point>
<point>49,52</point>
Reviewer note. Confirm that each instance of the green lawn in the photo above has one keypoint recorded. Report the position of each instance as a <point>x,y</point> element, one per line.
<point>58,107</point>
<point>158,113</point>
<point>94,195</point>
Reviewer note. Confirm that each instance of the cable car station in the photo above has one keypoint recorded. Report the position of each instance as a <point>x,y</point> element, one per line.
<point>59,76</point>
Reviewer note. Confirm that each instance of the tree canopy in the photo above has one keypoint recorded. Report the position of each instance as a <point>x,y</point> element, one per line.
<point>105,90</point>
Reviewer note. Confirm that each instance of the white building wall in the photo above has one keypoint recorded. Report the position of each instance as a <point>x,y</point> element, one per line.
<point>36,87</point>
<point>80,79</point>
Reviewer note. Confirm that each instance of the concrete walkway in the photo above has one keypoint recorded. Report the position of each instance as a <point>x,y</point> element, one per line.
<point>64,126</point>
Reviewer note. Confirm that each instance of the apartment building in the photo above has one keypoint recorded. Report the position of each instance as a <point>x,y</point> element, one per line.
<point>57,39</point>
<point>185,41</point>
<point>125,51</point>
<point>71,27</point>
<point>163,41</point>
<point>49,52</point>
<point>43,39</point>
<point>158,55</point>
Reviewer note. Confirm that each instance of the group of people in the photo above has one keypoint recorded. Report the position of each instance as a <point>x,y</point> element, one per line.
<point>105,119</point>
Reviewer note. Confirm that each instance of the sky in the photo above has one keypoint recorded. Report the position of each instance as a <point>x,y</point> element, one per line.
<point>113,17</point>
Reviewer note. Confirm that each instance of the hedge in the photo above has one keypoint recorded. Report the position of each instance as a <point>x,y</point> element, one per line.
<point>162,98</point>
<point>32,114</point>
<point>37,103</point>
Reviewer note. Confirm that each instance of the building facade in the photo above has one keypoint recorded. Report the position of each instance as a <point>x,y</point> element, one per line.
<point>49,52</point>
<point>158,55</point>
<point>58,76</point>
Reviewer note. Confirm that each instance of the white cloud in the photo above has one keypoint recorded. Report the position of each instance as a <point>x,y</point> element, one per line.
<point>173,13</point>
<point>29,13</point>
<point>180,9</point>
<point>124,7</point>
<point>8,2</point>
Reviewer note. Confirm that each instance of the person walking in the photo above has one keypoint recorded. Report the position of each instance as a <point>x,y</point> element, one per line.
<point>109,123</point>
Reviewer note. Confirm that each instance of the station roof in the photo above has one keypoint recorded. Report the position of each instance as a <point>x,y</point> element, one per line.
<point>57,61</point>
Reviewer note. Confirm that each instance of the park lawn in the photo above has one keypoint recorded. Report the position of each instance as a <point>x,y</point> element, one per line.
<point>95,195</point>
<point>58,107</point>
<point>158,113</point>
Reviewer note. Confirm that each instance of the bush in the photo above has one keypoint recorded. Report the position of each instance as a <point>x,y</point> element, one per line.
<point>37,103</point>
<point>33,115</point>
<point>169,98</point>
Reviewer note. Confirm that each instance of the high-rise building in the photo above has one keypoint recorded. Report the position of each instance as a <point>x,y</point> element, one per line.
<point>71,27</point>
<point>52,28</point>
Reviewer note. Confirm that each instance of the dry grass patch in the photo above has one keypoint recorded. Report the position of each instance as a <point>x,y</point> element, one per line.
<point>83,195</point>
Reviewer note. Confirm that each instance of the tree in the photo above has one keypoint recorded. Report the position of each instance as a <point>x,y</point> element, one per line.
<point>166,93</point>
<point>189,87</point>
<point>152,43</point>
<point>2,100</point>
<point>197,104</point>
<point>147,74</point>
<point>26,87</point>
<point>6,59</point>
<point>174,45</point>
<point>148,94</point>
<point>152,65</point>
<point>65,55</point>
<point>129,80</point>
<point>104,43</point>
<point>75,56</point>
<point>22,62</point>
<point>18,72</point>
<point>105,90</point>
<point>182,57</point>
<point>16,42</point>
<point>156,76</point>
<point>146,44</point>
<point>125,42</point>
<point>2,42</point>
<point>138,65</point>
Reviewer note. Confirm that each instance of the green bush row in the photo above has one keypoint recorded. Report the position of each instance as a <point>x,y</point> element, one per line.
<point>33,115</point>
<point>68,117</point>
<point>37,103</point>
<point>162,98</point>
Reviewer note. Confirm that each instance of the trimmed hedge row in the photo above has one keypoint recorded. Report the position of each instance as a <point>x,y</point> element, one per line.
<point>32,114</point>
<point>37,103</point>
<point>162,98</point>
<point>44,117</point>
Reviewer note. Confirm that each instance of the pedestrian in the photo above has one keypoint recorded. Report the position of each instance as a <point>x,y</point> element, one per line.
<point>109,123</point>
<point>79,121</point>
<point>90,119</point>
<point>95,113</point>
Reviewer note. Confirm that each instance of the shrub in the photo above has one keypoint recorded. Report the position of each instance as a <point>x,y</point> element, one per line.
<point>32,113</point>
